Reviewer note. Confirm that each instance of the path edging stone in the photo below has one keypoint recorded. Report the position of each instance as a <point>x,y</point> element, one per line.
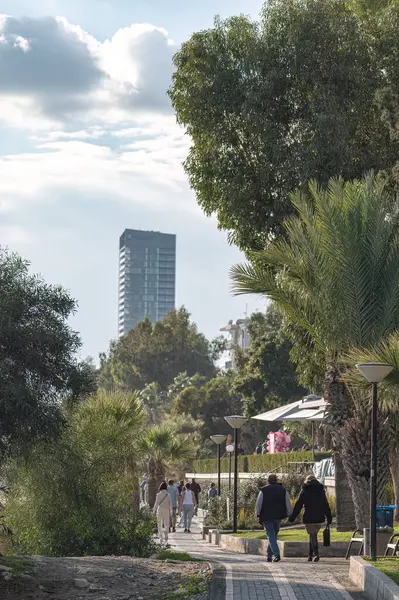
<point>375,584</point>
<point>287,549</point>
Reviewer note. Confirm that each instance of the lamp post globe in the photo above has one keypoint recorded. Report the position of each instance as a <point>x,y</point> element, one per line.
<point>230,450</point>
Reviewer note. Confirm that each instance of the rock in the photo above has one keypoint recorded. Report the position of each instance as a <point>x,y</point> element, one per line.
<point>81,583</point>
<point>5,569</point>
<point>94,587</point>
<point>8,577</point>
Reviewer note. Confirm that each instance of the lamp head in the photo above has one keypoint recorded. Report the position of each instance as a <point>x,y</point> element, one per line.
<point>374,372</point>
<point>218,439</point>
<point>236,421</point>
<point>230,448</point>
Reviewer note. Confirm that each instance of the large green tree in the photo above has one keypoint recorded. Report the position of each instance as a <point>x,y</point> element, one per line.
<point>38,366</point>
<point>157,353</point>
<point>335,274</point>
<point>271,104</point>
<point>266,377</point>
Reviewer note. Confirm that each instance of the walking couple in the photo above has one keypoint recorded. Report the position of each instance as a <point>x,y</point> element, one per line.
<point>273,505</point>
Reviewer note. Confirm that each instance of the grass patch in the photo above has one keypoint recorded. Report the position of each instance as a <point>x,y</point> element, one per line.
<point>389,566</point>
<point>295,535</point>
<point>191,587</point>
<point>181,556</point>
<point>17,564</point>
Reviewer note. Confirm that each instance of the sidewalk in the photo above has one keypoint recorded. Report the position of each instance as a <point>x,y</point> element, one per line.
<point>252,578</point>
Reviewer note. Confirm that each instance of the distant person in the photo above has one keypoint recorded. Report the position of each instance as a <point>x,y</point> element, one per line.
<point>196,489</point>
<point>313,498</point>
<point>174,497</point>
<point>181,488</point>
<point>212,492</point>
<point>162,508</point>
<point>188,506</point>
<point>240,450</point>
<point>264,448</point>
<point>272,505</point>
<point>258,449</point>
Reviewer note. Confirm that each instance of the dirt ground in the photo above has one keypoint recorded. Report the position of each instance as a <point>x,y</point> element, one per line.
<point>104,578</point>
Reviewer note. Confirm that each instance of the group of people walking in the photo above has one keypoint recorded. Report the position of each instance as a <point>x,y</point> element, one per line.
<point>173,501</point>
<point>273,505</point>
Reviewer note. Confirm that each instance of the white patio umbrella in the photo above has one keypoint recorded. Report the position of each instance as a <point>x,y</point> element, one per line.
<point>309,409</point>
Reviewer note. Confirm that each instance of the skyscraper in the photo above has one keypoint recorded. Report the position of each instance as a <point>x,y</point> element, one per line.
<point>147,277</point>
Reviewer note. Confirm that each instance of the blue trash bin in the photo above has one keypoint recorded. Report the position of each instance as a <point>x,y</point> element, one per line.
<point>385,516</point>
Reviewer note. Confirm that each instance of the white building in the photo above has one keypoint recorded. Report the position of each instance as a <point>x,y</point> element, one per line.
<point>239,339</point>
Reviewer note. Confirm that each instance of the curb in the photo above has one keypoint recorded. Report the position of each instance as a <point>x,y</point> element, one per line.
<point>217,588</point>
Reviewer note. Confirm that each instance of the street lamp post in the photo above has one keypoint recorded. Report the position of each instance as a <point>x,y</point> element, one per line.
<point>230,450</point>
<point>236,422</point>
<point>374,373</point>
<point>218,439</point>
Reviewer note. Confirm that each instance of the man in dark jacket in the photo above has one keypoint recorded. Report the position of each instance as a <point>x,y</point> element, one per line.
<point>314,499</point>
<point>196,489</point>
<point>272,505</point>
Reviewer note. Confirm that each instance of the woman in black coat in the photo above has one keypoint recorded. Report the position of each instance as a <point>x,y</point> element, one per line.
<point>314,499</point>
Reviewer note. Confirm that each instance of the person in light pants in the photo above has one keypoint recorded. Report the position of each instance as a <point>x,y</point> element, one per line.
<point>162,509</point>
<point>188,505</point>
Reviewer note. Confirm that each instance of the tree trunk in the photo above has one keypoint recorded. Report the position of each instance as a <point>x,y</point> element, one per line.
<point>159,472</point>
<point>151,484</point>
<point>135,492</point>
<point>350,427</point>
<point>394,467</point>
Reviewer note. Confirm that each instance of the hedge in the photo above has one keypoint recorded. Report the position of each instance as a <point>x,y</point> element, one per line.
<point>257,463</point>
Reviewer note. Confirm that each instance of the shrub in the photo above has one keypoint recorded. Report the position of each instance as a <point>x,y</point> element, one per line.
<point>76,496</point>
<point>258,463</point>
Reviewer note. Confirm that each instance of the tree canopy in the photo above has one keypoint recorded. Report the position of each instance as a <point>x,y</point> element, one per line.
<point>38,366</point>
<point>266,377</point>
<point>157,353</point>
<point>272,104</point>
<point>335,275</point>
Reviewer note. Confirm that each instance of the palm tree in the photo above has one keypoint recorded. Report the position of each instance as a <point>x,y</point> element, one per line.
<point>385,352</point>
<point>335,276</point>
<point>163,448</point>
<point>108,426</point>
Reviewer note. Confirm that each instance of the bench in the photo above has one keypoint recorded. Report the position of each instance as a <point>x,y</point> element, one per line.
<point>356,538</point>
<point>394,546</point>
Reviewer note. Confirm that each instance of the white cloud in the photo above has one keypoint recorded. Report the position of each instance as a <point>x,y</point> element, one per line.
<point>53,72</point>
<point>97,150</point>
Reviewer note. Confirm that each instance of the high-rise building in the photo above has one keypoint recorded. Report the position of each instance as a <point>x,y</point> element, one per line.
<point>147,277</point>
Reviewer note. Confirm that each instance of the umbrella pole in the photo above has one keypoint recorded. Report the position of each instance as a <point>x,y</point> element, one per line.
<point>313,452</point>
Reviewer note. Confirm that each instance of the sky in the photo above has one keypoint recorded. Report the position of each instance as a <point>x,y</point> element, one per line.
<point>89,146</point>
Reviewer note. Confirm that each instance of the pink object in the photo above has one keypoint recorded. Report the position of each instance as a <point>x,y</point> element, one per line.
<point>278,441</point>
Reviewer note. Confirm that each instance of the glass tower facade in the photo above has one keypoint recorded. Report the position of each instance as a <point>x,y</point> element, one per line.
<point>147,277</point>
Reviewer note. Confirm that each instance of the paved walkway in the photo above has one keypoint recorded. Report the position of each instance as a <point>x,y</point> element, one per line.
<point>252,578</point>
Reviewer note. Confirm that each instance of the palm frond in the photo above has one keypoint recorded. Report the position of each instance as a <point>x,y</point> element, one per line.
<point>336,271</point>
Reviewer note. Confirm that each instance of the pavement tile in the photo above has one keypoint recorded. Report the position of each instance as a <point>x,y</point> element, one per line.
<point>251,578</point>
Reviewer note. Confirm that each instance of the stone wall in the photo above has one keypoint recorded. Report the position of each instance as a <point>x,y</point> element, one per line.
<point>372,581</point>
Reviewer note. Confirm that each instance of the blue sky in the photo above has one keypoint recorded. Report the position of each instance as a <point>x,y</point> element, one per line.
<point>89,146</point>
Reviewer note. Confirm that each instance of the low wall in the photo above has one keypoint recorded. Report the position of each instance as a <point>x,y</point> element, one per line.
<point>287,549</point>
<point>375,584</point>
<point>225,476</point>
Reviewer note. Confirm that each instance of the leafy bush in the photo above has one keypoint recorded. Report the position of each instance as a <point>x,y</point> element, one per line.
<point>258,463</point>
<point>76,496</point>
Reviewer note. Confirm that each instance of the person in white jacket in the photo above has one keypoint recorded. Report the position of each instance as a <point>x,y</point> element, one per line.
<point>162,509</point>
